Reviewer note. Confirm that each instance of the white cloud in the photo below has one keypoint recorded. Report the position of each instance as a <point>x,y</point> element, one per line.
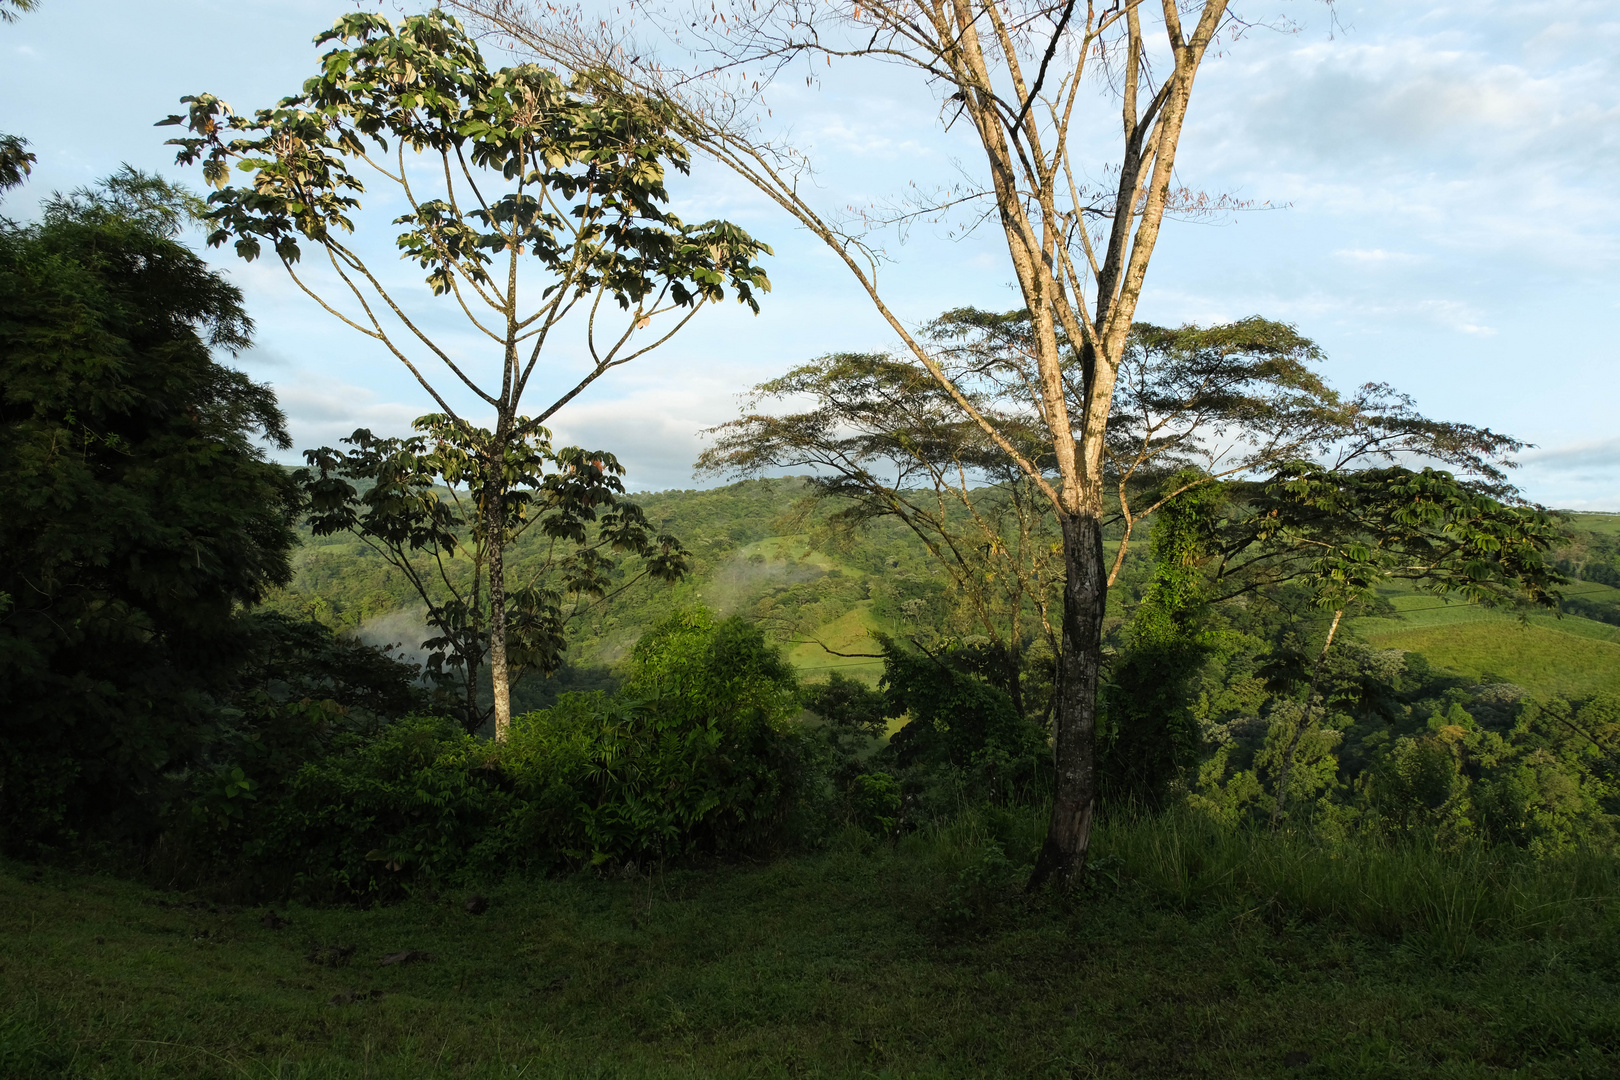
<point>1581,475</point>
<point>1448,168</point>
<point>322,410</point>
<point>654,431</point>
<point>1597,454</point>
<point>1377,257</point>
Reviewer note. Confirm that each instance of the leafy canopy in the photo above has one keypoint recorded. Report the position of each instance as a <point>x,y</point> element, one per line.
<point>140,513</point>
<point>584,165</point>
<point>420,503</point>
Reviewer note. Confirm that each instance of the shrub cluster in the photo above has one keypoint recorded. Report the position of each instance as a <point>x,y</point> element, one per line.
<point>697,753</point>
<point>962,741</point>
<point>1412,752</point>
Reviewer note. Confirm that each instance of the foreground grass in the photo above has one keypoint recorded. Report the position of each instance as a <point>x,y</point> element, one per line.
<point>1194,953</point>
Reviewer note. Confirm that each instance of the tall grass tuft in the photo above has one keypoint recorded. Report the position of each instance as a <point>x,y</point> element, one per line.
<point>1394,887</point>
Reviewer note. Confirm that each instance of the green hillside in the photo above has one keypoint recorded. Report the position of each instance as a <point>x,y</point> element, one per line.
<point>757,552</point>
<point>751,554</point>
<point>1546,653</point>
<point>1607,524</point>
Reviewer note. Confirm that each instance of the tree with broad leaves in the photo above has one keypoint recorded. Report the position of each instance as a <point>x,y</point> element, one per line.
<point>140,515</point>
<point>525,173</point>
<point>15,161</point>
<point>421,511</point>
<point>1079,206</point>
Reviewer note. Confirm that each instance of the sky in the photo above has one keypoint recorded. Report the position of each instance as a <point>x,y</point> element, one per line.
<point>1441,215</point>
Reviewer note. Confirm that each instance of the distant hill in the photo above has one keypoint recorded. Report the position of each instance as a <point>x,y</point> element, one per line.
<point>752,550</point>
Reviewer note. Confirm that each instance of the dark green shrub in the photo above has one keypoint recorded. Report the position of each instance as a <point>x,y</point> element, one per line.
<point>855,713</point>
<point>875,802</point>
<point>965,741</point>
<point>421,802</point>
<point>1420,786</point>
<point>1552,784</point>
<point>854,717</point>
<point>698,753</point>
<point>1149,738</point>
<point>301,693</point>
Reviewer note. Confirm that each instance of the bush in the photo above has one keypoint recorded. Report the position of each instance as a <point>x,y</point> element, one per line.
<point>421,802</point>
<point>965,741</point>
<point>698,753</point>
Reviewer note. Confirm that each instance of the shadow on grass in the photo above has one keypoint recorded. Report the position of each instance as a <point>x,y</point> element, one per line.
<point>1192,952</point>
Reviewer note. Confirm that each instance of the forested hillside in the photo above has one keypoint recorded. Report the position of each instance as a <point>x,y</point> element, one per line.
<point>764,549</point>
<point>759,549</point>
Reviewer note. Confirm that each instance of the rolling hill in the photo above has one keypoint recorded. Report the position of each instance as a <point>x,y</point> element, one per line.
<point>753,555</point>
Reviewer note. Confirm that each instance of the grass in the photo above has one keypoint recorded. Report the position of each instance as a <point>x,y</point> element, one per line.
<point>1597,522</point>
<point>1546,654</point>
<point>1541,660</point>
<point>1193,953</point>
<point>849,633</point>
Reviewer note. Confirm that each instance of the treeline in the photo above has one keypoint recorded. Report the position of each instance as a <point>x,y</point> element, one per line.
<point>168,703</point>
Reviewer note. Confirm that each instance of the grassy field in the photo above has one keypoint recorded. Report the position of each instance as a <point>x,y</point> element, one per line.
<point>1603,523</point>
<point>1546,654</point>
<point>1190,955</point>
<point>849,633</point>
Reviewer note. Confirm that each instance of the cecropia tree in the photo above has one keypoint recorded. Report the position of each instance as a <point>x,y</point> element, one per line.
<point>526,198</point>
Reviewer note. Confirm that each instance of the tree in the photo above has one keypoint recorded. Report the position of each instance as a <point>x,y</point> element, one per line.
<point>140,513</point>
<point>1149,736</point>
<point>1315,537</point>
<point>1196,405</point>
<point>15,162</point>
<point>420,511</point>
<point>1236,400</point>
<point>1343,533</point>
<point>1015,70</point>
<point>884,441</point>
<point>526,174</point>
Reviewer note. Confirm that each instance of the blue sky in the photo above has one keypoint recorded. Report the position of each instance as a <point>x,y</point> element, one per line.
<point>1444,172</point>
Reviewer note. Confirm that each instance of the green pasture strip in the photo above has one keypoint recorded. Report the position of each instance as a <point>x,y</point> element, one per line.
<point>1419,610</point>
<point>1194,953</point>
<point>1592,590</point>
<point>1540,659</point>
<point>849,633</point>
<point>1602,523</point>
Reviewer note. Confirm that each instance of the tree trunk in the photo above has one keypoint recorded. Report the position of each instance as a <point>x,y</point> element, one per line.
<point>1015,681</point>
<point>1304,722</point>
<point>1085,594</point>
<point>495,524</point>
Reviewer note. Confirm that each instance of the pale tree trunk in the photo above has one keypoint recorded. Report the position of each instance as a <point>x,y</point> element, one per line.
<point>1021,112</point>
<point>501,690</point>
<point>1304,722</point>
